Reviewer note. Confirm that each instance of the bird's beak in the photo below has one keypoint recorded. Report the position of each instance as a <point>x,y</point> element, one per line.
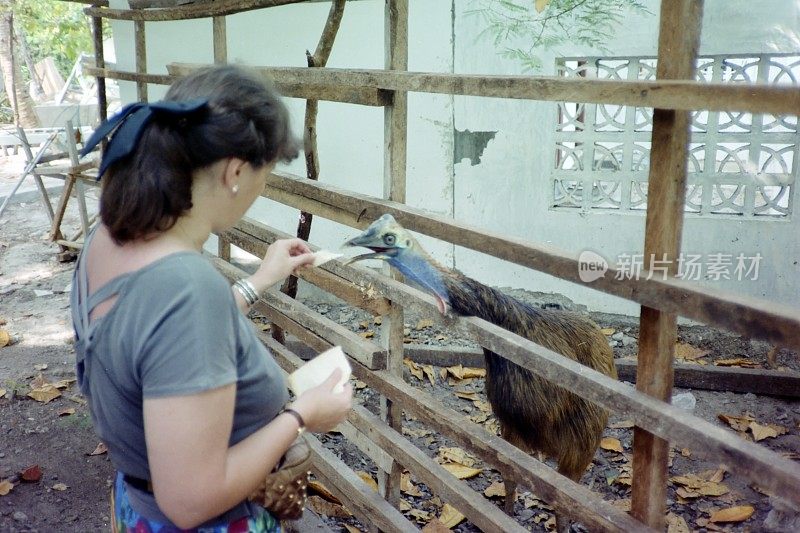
<point>367,240</point>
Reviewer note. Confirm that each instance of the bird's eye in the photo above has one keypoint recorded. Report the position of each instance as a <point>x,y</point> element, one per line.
<point>389,239</point>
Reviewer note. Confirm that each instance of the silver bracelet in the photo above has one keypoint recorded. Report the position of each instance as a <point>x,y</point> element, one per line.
<point>247,291</point>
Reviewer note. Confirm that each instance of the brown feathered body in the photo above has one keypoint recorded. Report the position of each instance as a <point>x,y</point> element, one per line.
<point>534,414</point>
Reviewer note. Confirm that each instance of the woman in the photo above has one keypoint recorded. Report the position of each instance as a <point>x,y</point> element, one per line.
<point>190,404</point>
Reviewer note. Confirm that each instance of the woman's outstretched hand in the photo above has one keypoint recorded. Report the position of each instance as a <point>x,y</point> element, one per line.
<point>283,257</point>
<point>322,408</point>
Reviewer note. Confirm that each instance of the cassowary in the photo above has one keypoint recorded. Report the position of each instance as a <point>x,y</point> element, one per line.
<point>534,414</point>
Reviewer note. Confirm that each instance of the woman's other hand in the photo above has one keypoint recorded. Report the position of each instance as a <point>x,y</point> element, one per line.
<point>283,257</point>
<point>322,408</point>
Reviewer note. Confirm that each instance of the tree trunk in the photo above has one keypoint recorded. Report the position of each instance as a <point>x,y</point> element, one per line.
<point>20,100</point>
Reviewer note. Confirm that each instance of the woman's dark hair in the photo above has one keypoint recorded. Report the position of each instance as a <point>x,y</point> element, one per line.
<point>149,190</point>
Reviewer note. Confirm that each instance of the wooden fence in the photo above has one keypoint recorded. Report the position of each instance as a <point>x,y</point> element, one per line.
<point>658,423</point>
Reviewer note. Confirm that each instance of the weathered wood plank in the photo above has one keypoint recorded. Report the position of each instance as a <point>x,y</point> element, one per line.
<point>220,37</point>
<point>188,11</point>
<point>395,140</point>
<point>662,94</point>
<point>155,79</point>
<point>679,39</point>
<point>310,91</point>
<point>100,61</point>
<point>140,40</point>
<point>776,323</point>
<point>687,376</point>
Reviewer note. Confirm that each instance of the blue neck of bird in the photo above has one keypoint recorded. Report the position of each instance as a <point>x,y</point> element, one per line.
<point>419,269</point>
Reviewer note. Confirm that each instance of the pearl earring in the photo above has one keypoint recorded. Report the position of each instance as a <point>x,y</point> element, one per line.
<point>235,189</point>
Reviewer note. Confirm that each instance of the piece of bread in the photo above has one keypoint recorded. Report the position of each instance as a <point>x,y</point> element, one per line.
<point>317,370</point>
<point>323,256</point>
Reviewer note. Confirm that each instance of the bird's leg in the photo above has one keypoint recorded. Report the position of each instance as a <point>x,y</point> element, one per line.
<point>511,494</point>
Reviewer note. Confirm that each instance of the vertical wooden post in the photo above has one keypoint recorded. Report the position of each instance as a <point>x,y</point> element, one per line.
<point>678,40</point>
<point>220,36</point>
<point>220,40</point>
<point>394,173</point>
<point>100,62</point>
<point>141,58</point>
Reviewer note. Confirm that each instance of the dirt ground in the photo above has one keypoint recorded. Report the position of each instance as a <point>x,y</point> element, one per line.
<point>72,493</point>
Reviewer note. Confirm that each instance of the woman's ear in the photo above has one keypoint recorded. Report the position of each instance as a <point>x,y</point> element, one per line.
<point>232,173</point>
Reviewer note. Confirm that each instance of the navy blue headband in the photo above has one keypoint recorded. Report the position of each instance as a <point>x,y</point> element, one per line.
<point>126,127</point>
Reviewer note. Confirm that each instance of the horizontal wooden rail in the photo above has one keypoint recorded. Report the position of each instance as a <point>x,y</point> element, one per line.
<point>572,499</point>
<point>665,94</point>
<point>779,324</point>
<point>690,376</point>
<point>188,11</point>
<point>156,79</point>
<point>325,92</point>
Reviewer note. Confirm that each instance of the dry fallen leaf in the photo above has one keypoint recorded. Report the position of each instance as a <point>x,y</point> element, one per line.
<point>761,432</point>
<point>540,5</point>
<point>367,334</point>
<point>63,383</point>
<point>316,487</point>
<point>740,513</point>
<point>414,368</point>
<point>435,526</point>
<point>608,331</point>
<point>40,366</point>
<point>468,395</point>
<point>60,487</point>
<point>461,471</point>
<point>66,412</point>
<point>3,393</point>
<point>5,339</point>
<point>455,455</point>
<point>420,515</point>
<point>676,524</point>
<point>687,352</point>
<point>367,477</point>
<point>738,423</point>
<point>497,488</point>
<point>45,394</point>
<point>424,323</point>
<point>486,407</point>
<point>470,372</point>
<point>686,452</point>
<point>5,487</point>
<point>428,369</point>
<point>31,474</point>
<point>450,516</point>
<point>738,361</point>
<point>611,444</point>
<point>456,371</point>
<point>407,486</point>
<point>324,507</point>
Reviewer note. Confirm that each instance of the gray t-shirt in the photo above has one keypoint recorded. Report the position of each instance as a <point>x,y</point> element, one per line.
<point>174,329</point>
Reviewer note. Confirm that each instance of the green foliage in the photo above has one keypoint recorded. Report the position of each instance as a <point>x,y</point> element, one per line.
<point>585,22</point>
<point>57,29</point>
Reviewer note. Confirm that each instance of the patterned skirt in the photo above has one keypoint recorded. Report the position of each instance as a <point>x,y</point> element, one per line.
<point>125,519</point>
